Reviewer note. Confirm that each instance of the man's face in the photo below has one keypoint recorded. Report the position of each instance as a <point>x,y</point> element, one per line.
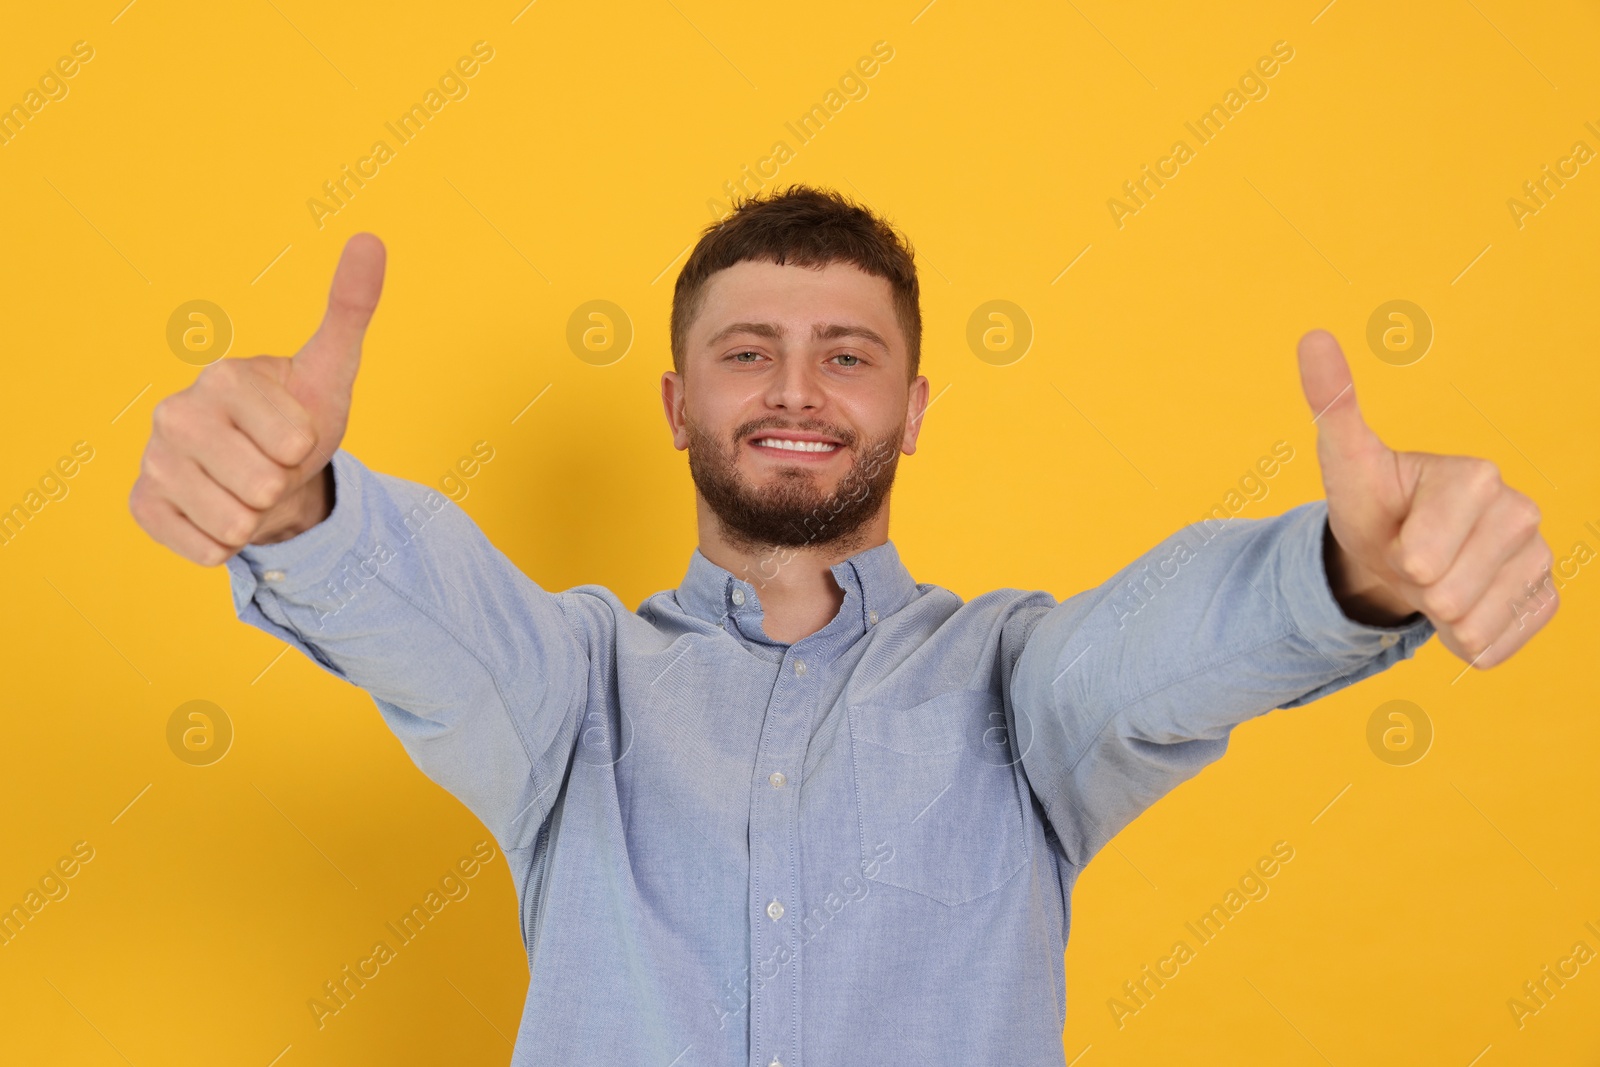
<point>794,403</point>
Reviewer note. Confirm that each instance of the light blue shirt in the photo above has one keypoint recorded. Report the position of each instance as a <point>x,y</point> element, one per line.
<point>858,848</point>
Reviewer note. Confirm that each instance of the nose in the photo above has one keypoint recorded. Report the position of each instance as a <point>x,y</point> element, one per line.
<point>796,387</point>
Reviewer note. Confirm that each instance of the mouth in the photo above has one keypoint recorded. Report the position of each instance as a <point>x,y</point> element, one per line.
<point>794,445</point>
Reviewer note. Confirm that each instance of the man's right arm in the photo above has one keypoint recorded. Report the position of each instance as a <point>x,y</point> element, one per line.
<point>383,582</point>
<point>474,667</point>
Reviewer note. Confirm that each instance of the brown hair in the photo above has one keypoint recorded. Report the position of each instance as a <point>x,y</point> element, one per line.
<point>808,227</point>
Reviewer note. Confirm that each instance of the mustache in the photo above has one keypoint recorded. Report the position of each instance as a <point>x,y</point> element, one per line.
<point>847,437</point>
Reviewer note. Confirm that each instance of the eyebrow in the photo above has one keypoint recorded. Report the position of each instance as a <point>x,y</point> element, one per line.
<point>831,331</point>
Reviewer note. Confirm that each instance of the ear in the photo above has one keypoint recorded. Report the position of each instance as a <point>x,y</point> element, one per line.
<point>916,405</point>
<point>672,399</point>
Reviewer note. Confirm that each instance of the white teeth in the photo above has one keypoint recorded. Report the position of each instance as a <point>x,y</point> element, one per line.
<point>797,446</point>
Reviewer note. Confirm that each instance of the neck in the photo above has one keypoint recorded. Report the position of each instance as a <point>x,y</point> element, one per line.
<point>799,595</point>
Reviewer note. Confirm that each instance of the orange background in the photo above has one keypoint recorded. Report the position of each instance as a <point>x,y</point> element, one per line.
<point>1378,166</point>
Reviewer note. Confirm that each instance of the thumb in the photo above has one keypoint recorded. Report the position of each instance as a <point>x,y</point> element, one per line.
<point>1344,440</point>
<point>325,367</point>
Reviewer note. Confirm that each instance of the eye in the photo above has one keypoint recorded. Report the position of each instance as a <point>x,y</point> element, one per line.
<point>747,352</point>
<point>849,355</point>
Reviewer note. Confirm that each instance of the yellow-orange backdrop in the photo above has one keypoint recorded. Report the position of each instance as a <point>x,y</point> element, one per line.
<point>1378,162</point>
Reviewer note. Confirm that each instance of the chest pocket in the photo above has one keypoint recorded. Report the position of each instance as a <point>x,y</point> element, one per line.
<point>936,783</point>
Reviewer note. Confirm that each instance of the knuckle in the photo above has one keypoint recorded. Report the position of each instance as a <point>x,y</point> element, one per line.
<point>223,373</point>
<point>1415,564</point>
<point>1410,556</point>
<point>1475,638</point>
<point>270,487</point>
<point>161,416</point>
<point>299,444</point>
<point>1440,603</point>
<point>139,503</point>
<point>292,438</point>
<point>152,470</point>
<point>1528,516</point>
<point>1485,472</point>
<point>174,420</point>
<point>263,366</point>
<point>239,527</point>
<point>210,556</point>
<point>1484,479</point>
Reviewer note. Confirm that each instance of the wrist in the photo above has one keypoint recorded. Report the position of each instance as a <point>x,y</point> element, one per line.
<point>310,505</point>
<point>1362,594</point>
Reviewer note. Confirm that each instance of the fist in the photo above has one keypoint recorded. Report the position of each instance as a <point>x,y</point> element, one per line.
<point>242,455</point>
<point>1420,532</point>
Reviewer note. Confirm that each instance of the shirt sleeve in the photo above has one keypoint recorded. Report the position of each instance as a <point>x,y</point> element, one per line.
<point>1124,691</point>
<point>474,667</point>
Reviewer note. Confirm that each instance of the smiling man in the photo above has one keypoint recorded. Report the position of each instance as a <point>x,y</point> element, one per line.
<point>803,809</point>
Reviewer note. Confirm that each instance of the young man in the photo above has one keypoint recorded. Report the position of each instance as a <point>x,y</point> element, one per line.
<point>803,809</point>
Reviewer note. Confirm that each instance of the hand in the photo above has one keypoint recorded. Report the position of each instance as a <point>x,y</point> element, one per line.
<point>241,456</point>
<point>1415,531</point>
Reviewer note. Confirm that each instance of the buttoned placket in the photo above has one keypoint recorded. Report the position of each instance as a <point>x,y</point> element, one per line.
<point>774,905</point>
<point>774,844</point>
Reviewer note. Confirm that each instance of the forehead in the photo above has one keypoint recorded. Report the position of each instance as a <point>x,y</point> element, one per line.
<point>796,298</point>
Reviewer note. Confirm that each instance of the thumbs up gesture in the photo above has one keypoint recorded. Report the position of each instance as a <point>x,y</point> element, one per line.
<point>1418,532</point>
<point>242,455</point>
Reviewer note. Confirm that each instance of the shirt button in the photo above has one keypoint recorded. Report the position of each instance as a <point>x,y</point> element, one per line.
<point>775,1062</point>
<point>799,666</point>
<point>272,576</point>
<point>775,910</point>
<point>872,617</point>
<point>738,597</point>
<point>777,779</point>
<point>1387,639</point>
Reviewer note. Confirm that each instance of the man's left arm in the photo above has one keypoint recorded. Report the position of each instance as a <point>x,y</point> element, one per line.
<point>1123,692</point>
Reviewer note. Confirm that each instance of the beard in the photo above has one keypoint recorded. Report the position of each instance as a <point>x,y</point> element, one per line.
<point>792,510</point>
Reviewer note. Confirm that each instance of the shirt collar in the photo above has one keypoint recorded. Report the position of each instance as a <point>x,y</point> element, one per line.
<point>875,582</point>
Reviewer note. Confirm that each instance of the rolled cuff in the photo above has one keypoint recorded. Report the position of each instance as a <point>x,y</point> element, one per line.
<point>308,558</point>
<point>1317,616</point>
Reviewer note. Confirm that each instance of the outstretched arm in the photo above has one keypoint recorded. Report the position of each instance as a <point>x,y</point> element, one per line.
<point>384,582</point>
<point>474,667</point>
<point>1125,691</point>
